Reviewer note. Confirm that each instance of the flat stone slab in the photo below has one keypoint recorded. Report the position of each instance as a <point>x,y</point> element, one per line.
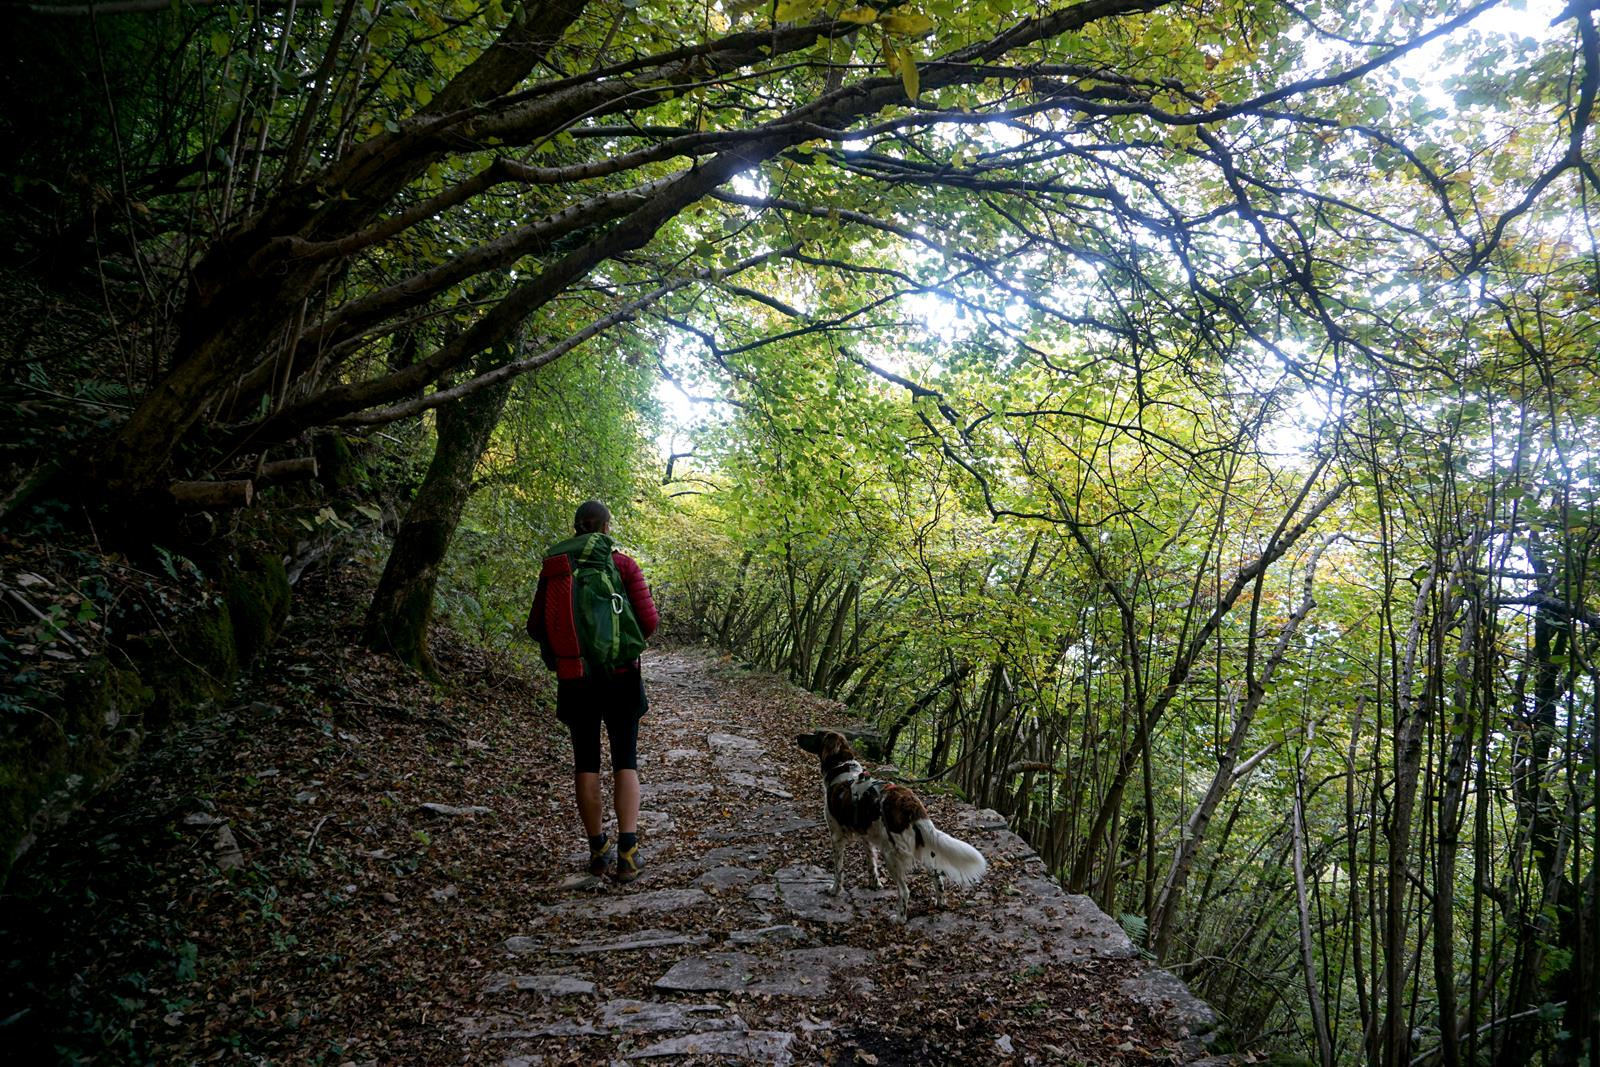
<point>810,808</point>
<point>559,1028</point>
<point>798,972</point>
<point>614,1017</point>
<point>997,844</point>
<point>548,985</point>
<point>653,902</point>
<point>980,819</point>
<point>1170,1001</point>
<point>727,877</point>
<point>802,890</point>
<point>499,1027</point>
<point>1088,922</point>
<point>522,946</point>
<point>580,880</point>
<point>758,826</point>
<point>728,853</point>
<point>729,766</point>
<point>635,942</point>
<point>747,1046</point>
<point>734,745</point>
<point>1029,929</point>
<point>225,849</point>
<point>780,932</point>
<point>656,822</point>
<point>766,785</point>
<point>803,872</point>
<point>648,1016</point>
<point>203,818</point>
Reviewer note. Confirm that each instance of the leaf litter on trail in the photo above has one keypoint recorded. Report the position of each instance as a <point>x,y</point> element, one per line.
<point>360,926</point>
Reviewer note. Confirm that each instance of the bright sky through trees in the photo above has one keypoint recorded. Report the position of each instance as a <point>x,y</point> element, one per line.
<point>1427,71</point>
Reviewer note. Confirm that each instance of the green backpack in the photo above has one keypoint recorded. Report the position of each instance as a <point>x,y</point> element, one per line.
<point>607,632</point>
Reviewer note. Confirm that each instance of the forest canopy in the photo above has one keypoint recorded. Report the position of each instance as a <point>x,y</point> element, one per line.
<point>1174,424</point>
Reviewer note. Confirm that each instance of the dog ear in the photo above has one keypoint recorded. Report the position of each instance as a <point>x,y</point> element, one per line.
<point>811,742</point>
<point>832,744</point>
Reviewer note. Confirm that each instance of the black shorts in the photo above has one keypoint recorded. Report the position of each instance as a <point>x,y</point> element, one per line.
<point>618,701</point>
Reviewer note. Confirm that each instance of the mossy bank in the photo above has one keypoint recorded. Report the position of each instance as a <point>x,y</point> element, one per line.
<point>74,745</point>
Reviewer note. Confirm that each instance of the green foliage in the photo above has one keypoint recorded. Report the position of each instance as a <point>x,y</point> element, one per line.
<point>1015,366</point>
<point>573,432</point>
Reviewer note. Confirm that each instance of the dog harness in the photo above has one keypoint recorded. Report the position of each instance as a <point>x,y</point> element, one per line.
<point>863,804</point>
<point>850,767</point>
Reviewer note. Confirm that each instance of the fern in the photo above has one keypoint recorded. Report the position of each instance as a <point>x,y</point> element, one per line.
<point>106,393</point>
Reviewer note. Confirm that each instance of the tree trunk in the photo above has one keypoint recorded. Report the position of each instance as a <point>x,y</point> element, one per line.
<point>402,608</point>
<point>1548,909</point>
<point>954,676</point>
<point>1411,714</point>
<point>1308,961</point>
<point>1146,719</point>
<point>735,601</point>
<point>1451,811</point>
<point>831,645</point>
<point>1164,915</point>
<point>234,309</point>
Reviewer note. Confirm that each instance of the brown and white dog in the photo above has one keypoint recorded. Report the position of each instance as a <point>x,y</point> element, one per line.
<point>891,819</point>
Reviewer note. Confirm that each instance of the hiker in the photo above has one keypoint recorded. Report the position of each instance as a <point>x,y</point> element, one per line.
<point>591,615</point>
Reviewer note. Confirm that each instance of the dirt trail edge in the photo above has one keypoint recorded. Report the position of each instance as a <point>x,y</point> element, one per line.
<point>728,950</point>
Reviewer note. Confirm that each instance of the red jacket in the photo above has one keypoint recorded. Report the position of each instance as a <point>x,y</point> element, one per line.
<point>633,583</point>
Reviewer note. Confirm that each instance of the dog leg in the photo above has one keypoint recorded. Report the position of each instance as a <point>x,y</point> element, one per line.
<point>873,879</point>
<point>899,873</point>
<point>838,862</point>
<point>938,889</point>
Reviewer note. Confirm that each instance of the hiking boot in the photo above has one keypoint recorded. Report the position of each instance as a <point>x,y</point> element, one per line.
<point>629,864</point>
<point>601,856</point>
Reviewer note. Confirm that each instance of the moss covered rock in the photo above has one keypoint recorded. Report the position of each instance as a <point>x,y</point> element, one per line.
<point>188,665</point>
<point>337,465</point>
<point>257,592</point>
<point>51,761</point>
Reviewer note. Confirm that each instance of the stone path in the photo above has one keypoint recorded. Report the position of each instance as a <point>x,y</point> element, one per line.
<point>729,951</point>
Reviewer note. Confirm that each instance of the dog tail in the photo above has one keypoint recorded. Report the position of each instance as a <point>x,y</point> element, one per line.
<point>951,857</point>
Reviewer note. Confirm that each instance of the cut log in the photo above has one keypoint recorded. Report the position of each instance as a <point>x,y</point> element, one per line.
<point>213,496</point>
<point>301,468</point>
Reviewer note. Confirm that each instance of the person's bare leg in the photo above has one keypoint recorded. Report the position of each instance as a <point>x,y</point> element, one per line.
<point>626,785</point>
<point>589,806</point>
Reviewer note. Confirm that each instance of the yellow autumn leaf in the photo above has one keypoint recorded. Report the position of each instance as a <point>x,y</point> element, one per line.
<point>908,25</point>
<point>908,73</point>
<point>860,16</point>
<point>794,10</point>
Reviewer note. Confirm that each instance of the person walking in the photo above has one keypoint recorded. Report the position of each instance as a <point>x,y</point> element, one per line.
<point>584,625</point>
